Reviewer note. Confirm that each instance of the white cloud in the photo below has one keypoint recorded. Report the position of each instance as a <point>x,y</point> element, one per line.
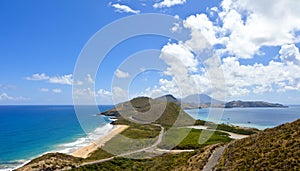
<point>6,97</point>
<point>183,69</point>
<point>121,74</point>
<point>258,78</point>
<point>44,90</point>
<point>244,26</point>
<point>64,79</point>
<point>168,3</point>
<point>38,77</point>
<point>119,95</point>
<point>290,53</point>
<point>56,90</point>
<point>176,28</point>
<point>124,8</point>
<point>90,79</point>
<point>102,92</point>
<point>179,58</point>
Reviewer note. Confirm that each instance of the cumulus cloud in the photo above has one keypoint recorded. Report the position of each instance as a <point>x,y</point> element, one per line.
<point>244,26</point>
<point>168,3</point>
<point>124,9</point>
<point>38,77</point>
<point>119,95</point>
<point>290,53</point>
<point>258,78</point>
<point>6,97</point>
<point>90,79</point>
<point>64,79</point>
<point>121,74</point>
<point>102,92</point>
<point>56,90</point>
<point>43,89</point>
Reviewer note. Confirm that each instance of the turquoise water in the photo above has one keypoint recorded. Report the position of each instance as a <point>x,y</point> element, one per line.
<point>260,118</point>
<point>29,131</point>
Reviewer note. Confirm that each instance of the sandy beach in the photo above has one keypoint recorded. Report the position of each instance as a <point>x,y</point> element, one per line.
<point>85,151</point>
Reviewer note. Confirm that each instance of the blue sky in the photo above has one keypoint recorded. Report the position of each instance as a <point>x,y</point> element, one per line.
<point>257,44</point>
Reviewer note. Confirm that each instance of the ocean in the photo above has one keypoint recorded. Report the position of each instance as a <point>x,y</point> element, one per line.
<point>260,118</point>
<point>29,131</point>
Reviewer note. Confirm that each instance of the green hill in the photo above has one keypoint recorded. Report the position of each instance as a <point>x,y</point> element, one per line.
<point>273,149</point>
<point>147,110</point>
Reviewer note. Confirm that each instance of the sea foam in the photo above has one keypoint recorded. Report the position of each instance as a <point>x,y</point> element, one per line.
<point>68,148</point>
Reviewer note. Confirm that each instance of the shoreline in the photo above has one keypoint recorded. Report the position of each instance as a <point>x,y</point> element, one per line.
<point>85,151</point>
<point>66,148</point>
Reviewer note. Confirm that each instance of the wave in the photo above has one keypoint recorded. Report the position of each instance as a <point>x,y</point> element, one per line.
<point>9,166</point>
<point>68,148</point>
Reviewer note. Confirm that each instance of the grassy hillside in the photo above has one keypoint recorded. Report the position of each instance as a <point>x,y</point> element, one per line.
<point>188,161</point>
<point>52,161</point>
<point>272,149</point>
<point>149,110</point>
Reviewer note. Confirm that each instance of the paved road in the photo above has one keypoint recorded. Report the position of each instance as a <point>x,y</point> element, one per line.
<point>214,158</point>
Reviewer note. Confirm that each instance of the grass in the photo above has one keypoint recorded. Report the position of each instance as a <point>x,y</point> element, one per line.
<point>272,149</point>
<point>97,155</point>
<point>137,131</point>
<point>229,128</point>
<point>164,162</point>
<point>191,141</point>
<point>166,114</point>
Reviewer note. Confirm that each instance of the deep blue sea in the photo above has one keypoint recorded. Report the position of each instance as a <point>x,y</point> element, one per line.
<point>29,131</point>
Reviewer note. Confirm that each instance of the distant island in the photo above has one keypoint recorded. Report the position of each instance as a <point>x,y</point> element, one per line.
<point>244,104</point>
<point>198,101</point>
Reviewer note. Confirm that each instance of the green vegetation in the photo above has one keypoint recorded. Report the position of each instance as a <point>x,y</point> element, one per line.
<point>164,162</point>
<point>229,128</point>
<point>147,110</point>
<point>97,155</point>
<point>188,161</point>
<point>137,131</point>
<point>191,141</point>
<point>52,161</point>
<point>273,149</point>
<point>237,130</point>
<point>181,161</point>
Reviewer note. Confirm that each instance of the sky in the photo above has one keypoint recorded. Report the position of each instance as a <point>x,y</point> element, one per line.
<point>253,51</point>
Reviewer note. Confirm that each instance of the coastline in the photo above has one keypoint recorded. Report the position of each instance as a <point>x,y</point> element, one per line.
<point>85,151</point>
<point>82,151</point>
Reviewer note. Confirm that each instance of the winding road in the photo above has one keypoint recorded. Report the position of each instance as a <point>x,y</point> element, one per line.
<point>147,149</point>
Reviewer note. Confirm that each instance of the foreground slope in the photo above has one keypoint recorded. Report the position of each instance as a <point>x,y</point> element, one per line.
<point>273,149</point>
